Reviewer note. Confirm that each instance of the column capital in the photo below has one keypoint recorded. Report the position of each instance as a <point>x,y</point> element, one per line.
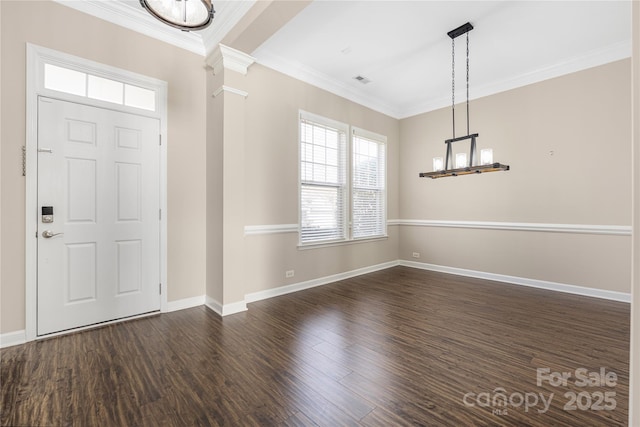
<point>225,57</point>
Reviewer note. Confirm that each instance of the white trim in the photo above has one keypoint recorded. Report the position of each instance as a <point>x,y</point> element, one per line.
<point>310,246</point>
<point>367,134</point>
<point>612,230</point>
<point>138,20</point>
<point>36,57</point>
<point>611,53</point>
<point>283,290</point>
<point>33,84</point>
<point>230,89</point>
<point>523,281</point>
<point>164,206</point>
<point>184,303</point>
<point>13,338</point>
<point>226,17</point>
<point>226,309</point>
<point>320,80</point>
<point>213,305</point>
<point>252,230</point>
<point>233,308</point>
<point>230,59</point>
<point>594,58</point>
<point>19,337</point>
<point>325,121</point>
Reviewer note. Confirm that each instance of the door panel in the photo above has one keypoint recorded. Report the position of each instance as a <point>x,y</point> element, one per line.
<point>99,169</point>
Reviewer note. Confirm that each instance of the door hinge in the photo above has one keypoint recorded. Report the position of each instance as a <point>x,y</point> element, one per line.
<point>159,139</point>
<point>160,288</point>
<point>160,214</point>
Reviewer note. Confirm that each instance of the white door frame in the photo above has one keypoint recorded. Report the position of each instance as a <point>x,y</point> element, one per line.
<point>37,56</point>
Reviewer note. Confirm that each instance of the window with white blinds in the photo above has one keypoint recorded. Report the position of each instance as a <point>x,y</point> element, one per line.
<point>342,182</point>
<point>368,185</point>
<point>323,180</point>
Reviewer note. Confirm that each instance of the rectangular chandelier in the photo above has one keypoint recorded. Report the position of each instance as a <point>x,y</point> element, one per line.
<point>467,170</point>
<point>471,167</point>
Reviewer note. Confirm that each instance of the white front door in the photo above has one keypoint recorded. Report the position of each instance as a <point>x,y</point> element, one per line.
<point>99,258</point>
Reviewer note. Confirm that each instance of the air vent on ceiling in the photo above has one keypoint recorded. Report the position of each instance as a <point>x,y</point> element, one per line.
<point>362,79</point>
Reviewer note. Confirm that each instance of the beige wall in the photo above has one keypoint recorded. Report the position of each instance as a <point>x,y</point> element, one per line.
<point>235,146</point>
<point>57,27</point>
<point>233,162</point>
<point>634,362</point>
<point>214,176</point>
<point>567,142</point>
<point>271,180</point>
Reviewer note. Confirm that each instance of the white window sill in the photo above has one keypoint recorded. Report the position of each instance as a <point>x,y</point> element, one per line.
<point>304,247</point>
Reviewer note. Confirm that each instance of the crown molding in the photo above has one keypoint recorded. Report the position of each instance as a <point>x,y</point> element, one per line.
<point>311,76</point>
<point>130,15</point>
<point>594,58</point>
<point>301,72</point>
<point>136,19</point>
<point>229,58</point>
<point>227,16</point>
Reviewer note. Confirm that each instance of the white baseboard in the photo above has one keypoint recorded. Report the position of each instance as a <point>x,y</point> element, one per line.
<point>226,309</point>
<point>19,337</point>
<point>283,290</point>
<point>534,283</point>
<point>213,305</point>
<point>181,304</point>
<point>13,338</point>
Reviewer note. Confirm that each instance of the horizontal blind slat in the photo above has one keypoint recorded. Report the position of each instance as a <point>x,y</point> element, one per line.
<point>322,187</point>
<point>368,192</point>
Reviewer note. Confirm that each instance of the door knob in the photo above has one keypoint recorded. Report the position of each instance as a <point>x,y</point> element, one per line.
<point>47,234</point>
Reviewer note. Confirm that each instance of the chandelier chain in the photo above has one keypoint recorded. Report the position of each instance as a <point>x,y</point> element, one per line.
<point>453,84</point>
<point>468,84</point>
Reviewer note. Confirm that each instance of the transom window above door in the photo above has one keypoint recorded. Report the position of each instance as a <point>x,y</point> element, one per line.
<point>78,83</point>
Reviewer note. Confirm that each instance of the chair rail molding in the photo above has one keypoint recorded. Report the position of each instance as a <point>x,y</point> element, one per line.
<point>613,230</point>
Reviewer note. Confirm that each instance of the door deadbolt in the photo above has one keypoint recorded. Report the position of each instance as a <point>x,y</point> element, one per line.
<point>47,214</point>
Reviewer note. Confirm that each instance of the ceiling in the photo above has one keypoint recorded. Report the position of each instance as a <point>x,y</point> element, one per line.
<point>402,47</point>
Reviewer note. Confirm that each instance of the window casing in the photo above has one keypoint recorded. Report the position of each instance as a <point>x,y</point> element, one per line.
<point>342,182</point>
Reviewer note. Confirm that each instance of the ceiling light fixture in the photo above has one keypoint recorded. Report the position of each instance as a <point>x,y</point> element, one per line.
<point>186,15</point>
<point>472,167</point>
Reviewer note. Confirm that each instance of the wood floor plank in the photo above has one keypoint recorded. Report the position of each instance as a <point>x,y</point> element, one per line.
<point>397,347</point>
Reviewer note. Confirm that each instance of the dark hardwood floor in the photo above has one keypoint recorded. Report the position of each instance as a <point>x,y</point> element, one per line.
<point>392,348</point>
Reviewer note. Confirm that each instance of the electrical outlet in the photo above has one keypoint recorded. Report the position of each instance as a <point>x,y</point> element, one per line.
<point>416,255</point>
<point>289,273</point>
